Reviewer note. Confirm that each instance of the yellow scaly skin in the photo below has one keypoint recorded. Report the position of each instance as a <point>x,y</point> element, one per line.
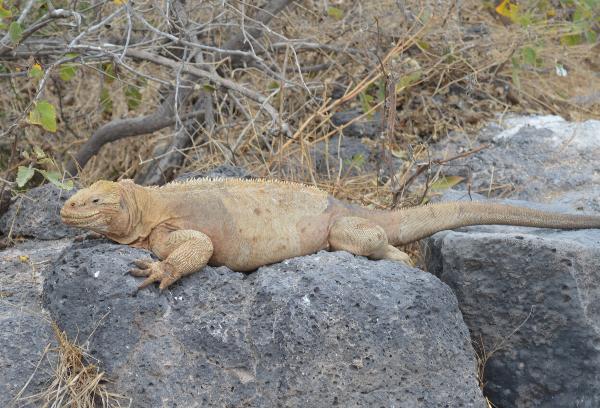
<point>244,224</point>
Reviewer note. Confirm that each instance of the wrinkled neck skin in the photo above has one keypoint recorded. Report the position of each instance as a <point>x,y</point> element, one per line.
<point>140,214</point>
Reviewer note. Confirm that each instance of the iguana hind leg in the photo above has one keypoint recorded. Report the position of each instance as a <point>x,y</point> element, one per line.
<point>185,251</point>
<point>363,237</point>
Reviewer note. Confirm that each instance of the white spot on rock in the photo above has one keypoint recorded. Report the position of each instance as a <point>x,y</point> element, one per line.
<point>581,135</point>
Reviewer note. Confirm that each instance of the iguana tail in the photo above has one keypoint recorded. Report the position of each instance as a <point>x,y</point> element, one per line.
<point>411,224</point>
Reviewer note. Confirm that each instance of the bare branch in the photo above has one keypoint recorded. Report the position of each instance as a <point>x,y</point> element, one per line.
<point>277,124</point>
<point>300,45</point>
<point>41,23</point>
<point>95,27</point>
<point>179,41</point>
<point>166,114</point>
<point>162,167</point>
<point>22,17</point>
<point>264,16</point>
<point>122,128</point>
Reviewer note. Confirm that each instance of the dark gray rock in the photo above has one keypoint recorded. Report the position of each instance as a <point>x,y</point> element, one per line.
<point>351,154</point>
<point>532,158</point>
<point>317,331</point>
<point>369,127</point>
<point>354,157</point>
<point>531,299</point>
<point>24,327</point>
<point>588,99</point>
<point>344,154</point>
<point>36,214</point>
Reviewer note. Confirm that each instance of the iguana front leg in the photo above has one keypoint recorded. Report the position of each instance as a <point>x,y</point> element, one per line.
<point>184,252</point>
<point>363,237</point>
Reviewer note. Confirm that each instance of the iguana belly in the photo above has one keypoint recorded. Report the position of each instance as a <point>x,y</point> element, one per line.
<point>249,246</point>
<point>259,224</point>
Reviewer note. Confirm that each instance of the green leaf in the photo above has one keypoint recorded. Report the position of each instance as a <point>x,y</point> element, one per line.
<point>515,62</point>
<point>46,161</point>
<point>444,183</point>
<point>134,97</point>
<point>54,177</point>
<point>36,71</point>
<point>83,6</point>
<point>335,13</point>
<point>408,80</point>
<point>209,88</point>
<point>529,56</point>
<point>39,153</point>
<point>366,102</point>
<point>516,77</point>
<point>571,39</point>
<point>424,45</point>
<point>591,36</point>
<point>358,160</point>
<point>4,13</point>
<point>67,71</point>
<point>106,101</point>
<point>380,90</point>
<point>15,31</point>
<point>109,72</point>
<point>583,13</point>
<point>525,19</point>
<point>24,174</point>
<point>43,114</point>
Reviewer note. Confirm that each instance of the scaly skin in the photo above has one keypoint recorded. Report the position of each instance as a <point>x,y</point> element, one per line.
<point>244,224</point>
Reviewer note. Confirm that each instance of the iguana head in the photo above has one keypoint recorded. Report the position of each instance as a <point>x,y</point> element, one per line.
<point>102,208</point>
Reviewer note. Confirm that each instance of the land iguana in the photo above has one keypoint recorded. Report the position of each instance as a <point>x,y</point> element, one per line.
<point>244,224</point>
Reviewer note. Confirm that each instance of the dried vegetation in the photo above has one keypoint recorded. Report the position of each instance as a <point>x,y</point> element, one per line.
<point>75,383</point>
<point>208,83</point>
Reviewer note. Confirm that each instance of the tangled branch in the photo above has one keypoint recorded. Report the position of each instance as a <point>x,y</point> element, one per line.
<point>165,43</point>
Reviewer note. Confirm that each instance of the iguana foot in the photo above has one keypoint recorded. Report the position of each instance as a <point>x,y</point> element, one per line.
<point>394,254</point>
<point>363,237</point>
<point>155,272</point>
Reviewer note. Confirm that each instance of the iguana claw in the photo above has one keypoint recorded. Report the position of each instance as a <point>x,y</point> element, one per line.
<point>154,272</point>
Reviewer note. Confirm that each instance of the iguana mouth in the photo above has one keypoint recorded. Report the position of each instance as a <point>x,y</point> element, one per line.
<point>77,218</point>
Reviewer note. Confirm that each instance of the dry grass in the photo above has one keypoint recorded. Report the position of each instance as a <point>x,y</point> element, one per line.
<point>459,82</point>
<point>75,383</point>
<point>482,357</point>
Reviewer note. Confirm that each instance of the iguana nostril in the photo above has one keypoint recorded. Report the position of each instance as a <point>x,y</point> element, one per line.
<point>72,204</point>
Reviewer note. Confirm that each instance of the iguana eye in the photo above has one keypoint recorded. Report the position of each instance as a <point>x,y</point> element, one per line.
<point>96,200</point>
